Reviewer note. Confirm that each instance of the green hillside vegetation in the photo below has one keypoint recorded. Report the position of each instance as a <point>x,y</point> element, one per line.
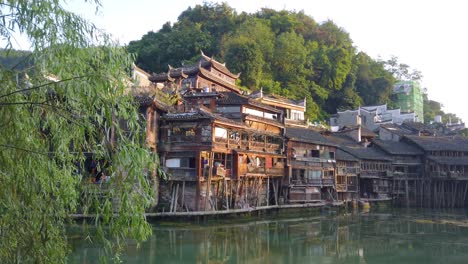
<point>285,52</point>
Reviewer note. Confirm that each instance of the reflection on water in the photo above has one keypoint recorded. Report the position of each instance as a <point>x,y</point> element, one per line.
<point>397,236</point>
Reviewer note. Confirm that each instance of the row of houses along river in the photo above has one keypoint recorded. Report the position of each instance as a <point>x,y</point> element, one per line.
<point>228,153</point>
<point>226,150</point>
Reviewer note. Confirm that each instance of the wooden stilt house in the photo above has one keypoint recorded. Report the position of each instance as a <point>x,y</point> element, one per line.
<point>445,177</point>
<point>347,172</point>
<point>407,167</point>
<point>375,167</point>
<point>310,166</point>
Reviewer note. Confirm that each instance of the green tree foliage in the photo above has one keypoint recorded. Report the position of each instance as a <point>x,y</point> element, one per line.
<point>283,52</point>
<point>374,84</point>
<point>54,114</point>
<point>402,71</point>
<point>248,49</point>
<point>433,108</point>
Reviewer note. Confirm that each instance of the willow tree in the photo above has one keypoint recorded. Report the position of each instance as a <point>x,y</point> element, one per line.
<point>69,103</point>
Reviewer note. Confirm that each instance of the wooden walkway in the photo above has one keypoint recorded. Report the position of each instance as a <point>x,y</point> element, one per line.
<point>227,212</point>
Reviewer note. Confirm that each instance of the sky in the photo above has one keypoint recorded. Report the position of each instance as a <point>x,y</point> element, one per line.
<point>429,36</point>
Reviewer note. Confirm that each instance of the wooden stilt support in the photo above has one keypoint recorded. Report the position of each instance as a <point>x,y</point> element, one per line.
<point>225,188</point>
<point>268,191</point>
<point>407,193</point>
<point>183,196</point>
<point>208,182</point>
<point>275,192</point>
<point>172,198</point>
<point>176,198</point>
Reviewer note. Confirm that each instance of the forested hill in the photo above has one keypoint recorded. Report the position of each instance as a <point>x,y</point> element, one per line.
<point>286,53</point>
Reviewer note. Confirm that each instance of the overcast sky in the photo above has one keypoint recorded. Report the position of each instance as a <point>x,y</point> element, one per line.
<point>429,36</point>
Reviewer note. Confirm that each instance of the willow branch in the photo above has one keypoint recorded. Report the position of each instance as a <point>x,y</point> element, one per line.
<point>44,85</point>
<point>23,149</point>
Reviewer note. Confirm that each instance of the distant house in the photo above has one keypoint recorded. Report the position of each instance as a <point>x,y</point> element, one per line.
<point>294,110</point>
<point>370,117</point>
<point>347,176</point>
<point>375,167</point>
<point>444,157</point>
<point>310,166</point>
<point>407,168</point>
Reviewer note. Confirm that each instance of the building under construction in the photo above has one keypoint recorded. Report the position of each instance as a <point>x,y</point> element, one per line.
<point>408,96</point>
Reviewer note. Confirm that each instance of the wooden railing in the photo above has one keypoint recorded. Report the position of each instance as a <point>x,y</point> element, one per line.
<point>398,174</point>
<point>315,182</point>
<point>181,138</point>
<point>186,174</point>
<point>443,174</point>
<point>352,188</point>
<point>373,173</point>
<point>275,171</point>
<point>341,187</point>
<point>305,163</point>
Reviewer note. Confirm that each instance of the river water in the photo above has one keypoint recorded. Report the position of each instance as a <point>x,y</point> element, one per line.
<point>387,236</point>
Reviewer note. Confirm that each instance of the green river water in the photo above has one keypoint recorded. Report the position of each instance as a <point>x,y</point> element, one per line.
<point>391,236</point>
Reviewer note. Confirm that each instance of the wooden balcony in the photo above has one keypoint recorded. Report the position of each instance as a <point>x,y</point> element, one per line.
<point>275,171</point>
<point>448,175</point>
<point>306,163</point>
<point>182,174</point>
<point>314,182</point>
<point>341,187</point>
<point>347,171</point>
<point>405,175</point>
<point>373,174</point>
<point>352,188</point>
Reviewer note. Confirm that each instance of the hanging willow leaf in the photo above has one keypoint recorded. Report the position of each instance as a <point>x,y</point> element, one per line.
<point>55,106</point>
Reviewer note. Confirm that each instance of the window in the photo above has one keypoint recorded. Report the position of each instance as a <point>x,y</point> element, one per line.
<point>180,163</point>
<point>315,153</point>
<point>220,132</point>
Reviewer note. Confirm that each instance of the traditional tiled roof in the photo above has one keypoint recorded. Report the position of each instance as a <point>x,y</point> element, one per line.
<point>374,108</point>
<point>264,120</point>
<point>345,156</point>
<point>397,148</point>
<point>230,98</point>
<point>198,94</point>
<point>144,100</point>
<point>348,145</point>
<point>218,80</point>
<point>397,129</point>
<point>341,139</point>
<point>418,127</point>
<point>307,135</point>
<point>201,113</point>
<point>219,66</point>
<point>369,153</point>
<point>204,63</point>
<point>172,74</point>
<point>365,132</point>
<point>440,143</point>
